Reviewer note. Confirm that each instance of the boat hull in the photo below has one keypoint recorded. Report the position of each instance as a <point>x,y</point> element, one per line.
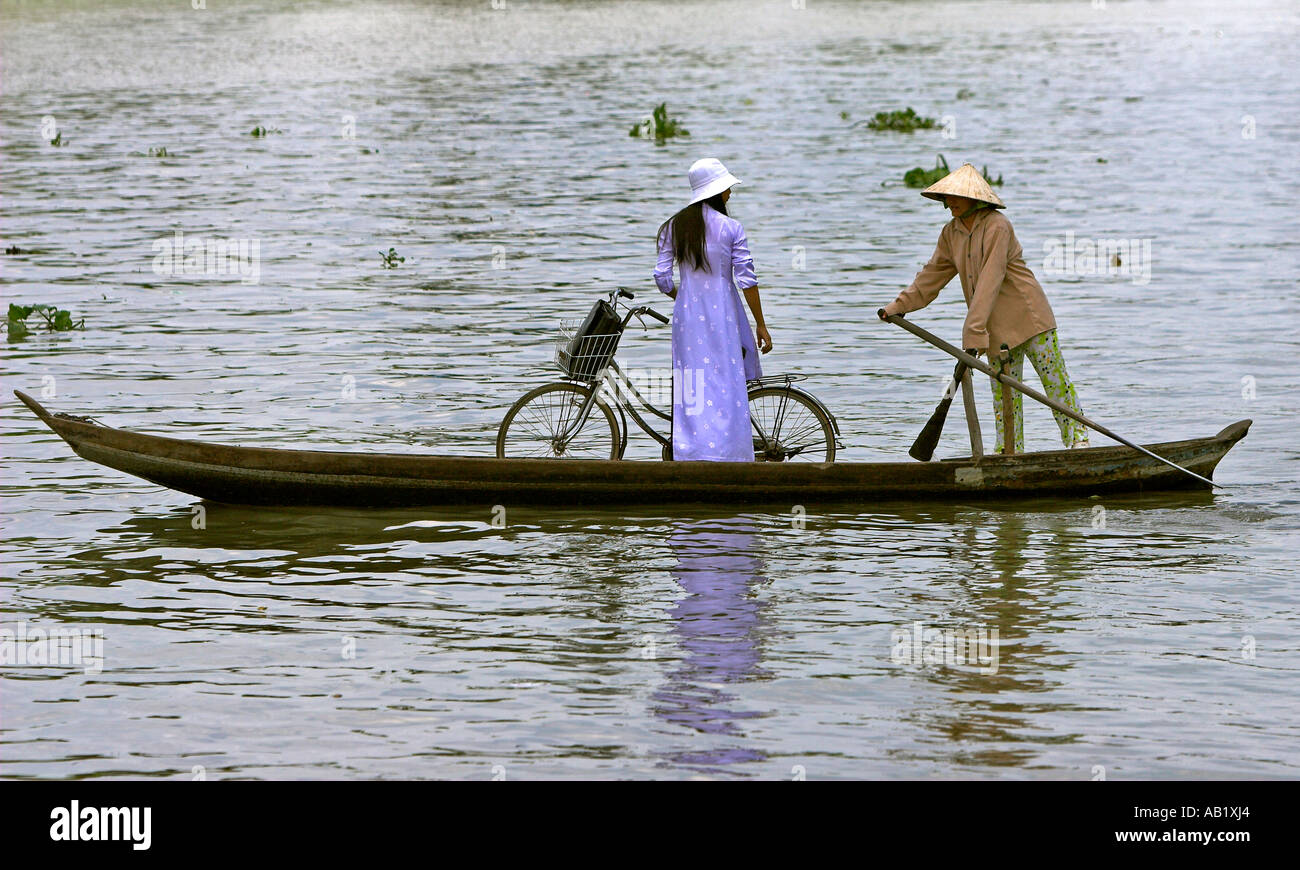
<point>269,476</point>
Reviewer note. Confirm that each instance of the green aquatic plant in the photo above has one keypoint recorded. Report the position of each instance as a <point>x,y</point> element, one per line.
<point>919,177</point>
<point>56,319</point>
<point>14,250</point>
<point>57,141</point>
<point>259,131</point>
<point>390,260</point>
<point>153,152</point>
<point>844,115</point>
<point>901,122</point>
<point>658,127</point>
<point>965,94</point>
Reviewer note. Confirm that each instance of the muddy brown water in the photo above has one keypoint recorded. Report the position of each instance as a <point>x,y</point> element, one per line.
<point>1141,636</point>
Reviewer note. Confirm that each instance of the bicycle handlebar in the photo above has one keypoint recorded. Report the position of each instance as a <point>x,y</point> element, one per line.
<point>644,309</point>
<point>635,312</point>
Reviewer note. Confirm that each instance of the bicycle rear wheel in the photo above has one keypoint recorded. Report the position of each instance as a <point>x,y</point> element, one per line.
<point>534,427</point>
<point>789,427</point>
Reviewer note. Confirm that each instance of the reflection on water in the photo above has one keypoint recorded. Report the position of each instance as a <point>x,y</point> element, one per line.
<point>1007,593</point>
<point>718,627</point>
<point>526,646</point>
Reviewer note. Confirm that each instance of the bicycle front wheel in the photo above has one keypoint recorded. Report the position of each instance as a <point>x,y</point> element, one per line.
<point>789,427</point>
<point>540,426</point>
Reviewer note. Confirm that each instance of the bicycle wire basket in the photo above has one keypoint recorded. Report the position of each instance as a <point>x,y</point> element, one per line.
<point>584,357</point>
<point>584,349</point>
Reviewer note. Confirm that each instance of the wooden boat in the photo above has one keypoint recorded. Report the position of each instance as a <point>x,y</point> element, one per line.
<point>260,475</point>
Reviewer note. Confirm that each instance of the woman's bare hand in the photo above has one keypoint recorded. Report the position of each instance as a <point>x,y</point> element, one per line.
<point>764,339</point>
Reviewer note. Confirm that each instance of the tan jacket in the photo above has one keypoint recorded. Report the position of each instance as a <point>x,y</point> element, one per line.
<point>1007,305</point>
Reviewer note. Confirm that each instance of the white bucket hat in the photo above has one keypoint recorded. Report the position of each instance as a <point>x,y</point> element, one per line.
<point>708,178</point>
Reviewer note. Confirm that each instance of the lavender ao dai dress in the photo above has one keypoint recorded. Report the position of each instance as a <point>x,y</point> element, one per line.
<point>714,352</point>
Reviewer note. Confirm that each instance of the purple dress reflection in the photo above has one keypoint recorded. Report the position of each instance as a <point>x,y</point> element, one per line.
<point>718,627</point>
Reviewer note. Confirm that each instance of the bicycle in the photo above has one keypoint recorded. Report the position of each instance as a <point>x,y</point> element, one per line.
<point>556,420</point>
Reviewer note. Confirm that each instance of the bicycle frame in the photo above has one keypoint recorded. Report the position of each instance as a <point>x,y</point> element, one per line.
<point>623,387</point>
<point>625,406</point>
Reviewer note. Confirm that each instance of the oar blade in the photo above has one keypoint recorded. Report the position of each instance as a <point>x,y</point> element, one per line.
<point>924,445</point>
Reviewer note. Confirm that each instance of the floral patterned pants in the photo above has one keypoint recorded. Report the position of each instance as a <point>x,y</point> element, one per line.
<point>1044,352</point>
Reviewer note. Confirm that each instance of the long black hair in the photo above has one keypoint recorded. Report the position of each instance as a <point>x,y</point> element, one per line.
<point>685,231</point>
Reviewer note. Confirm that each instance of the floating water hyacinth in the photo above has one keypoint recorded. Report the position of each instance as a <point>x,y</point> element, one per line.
<point>260,131</point>
<point>57,141</point>
<point>904,121</point>
<point>659,126</point>
<point>56,319</point>
<point>153,152</point>
<point>919,177</point>
<point>391,260</point>
<point>965,94</point>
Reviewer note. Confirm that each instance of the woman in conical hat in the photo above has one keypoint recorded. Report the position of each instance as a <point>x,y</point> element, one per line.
<point>1006,303</point>
<point>714,352</point>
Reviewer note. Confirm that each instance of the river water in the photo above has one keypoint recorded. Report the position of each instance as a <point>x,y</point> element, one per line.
<point>1137,637</point>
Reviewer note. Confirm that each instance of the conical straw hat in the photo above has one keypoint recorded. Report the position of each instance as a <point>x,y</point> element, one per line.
<point>966,181</point>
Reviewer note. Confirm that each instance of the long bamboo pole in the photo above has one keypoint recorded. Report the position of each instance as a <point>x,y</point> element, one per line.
<point>1007,380</point>
<point>972,420</point>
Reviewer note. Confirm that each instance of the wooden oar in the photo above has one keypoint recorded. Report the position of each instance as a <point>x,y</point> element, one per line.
<point>899,320</point>
<point>923,447</point>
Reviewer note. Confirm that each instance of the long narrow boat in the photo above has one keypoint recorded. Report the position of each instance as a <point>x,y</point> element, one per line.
<point>266,476</point>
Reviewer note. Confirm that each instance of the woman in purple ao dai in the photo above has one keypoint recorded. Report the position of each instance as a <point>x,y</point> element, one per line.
<point>714,351</point>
